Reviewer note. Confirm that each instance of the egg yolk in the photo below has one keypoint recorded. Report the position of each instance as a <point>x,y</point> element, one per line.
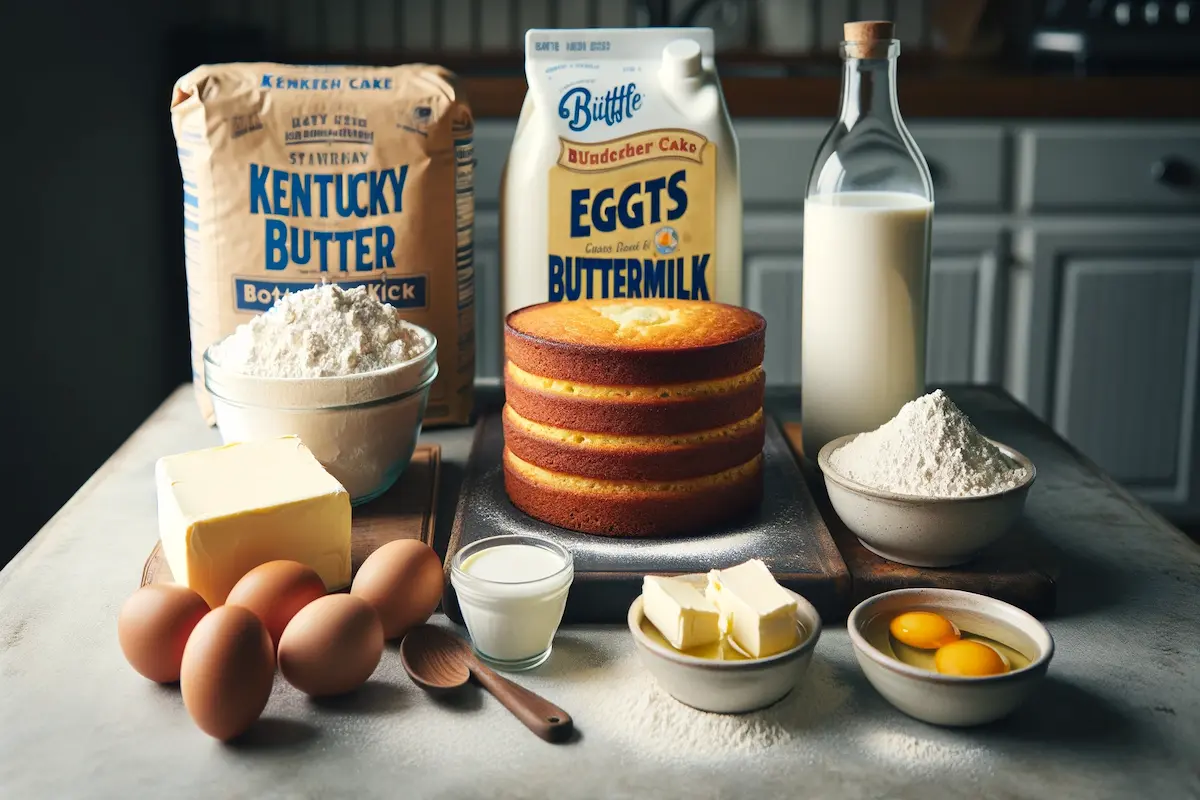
<point>923,630</point>
<point>967,657</point>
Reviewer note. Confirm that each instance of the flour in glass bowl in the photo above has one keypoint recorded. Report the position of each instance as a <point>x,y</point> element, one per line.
<point>321,332</point>
<point>929,449</point>
<point>336,367</point>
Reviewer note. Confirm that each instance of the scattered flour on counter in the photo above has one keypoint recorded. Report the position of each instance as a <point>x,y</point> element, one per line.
<point>936,752</point>
<point>320,332</point>
<point>929,449</point>
<point>629,706</point>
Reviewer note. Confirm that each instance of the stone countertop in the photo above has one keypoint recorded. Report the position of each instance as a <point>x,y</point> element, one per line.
<point>1117,716</point>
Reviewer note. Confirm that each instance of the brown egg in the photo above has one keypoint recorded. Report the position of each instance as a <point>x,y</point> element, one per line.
<point>228,670</point>
<point>403,582</point>
<point>332,646</point>
<point>275,591</point>
<point>154,625</point>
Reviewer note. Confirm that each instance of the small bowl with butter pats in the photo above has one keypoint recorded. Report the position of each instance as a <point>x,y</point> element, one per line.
<point>704,659</point>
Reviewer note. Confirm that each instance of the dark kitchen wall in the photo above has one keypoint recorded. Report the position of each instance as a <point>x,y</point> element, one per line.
<point>94,313</point>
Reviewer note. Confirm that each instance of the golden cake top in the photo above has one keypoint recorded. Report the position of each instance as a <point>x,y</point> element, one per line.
<point>637,324</point>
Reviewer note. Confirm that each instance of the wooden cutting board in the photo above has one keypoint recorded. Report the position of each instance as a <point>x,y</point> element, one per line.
<point>1019,568</point>
<point>786,532</point>
<point>406,511</point>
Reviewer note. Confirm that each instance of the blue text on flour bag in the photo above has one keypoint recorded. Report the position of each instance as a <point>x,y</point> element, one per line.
<point>281,197</point>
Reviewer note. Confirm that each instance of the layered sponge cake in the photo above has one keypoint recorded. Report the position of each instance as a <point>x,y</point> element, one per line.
<point>634,417</point>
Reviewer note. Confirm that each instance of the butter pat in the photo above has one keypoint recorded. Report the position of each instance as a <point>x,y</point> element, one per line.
<point>756,612</point>
<point>225,510</point>
<point>631,314</point>
<point>682,614</point>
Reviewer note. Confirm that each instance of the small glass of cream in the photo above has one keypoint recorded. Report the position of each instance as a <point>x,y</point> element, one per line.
<point>512,591</point>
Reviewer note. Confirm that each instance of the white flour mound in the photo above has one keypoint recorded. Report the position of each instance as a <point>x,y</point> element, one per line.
<point>321,332</point>
<point>929,449</point>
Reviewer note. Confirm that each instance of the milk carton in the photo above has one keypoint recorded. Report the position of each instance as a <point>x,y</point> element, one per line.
<point>622,180</point>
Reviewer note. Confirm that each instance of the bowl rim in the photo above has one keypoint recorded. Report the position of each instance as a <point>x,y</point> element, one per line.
<point>856,620</point>
<point>1011,453</point>
<point>400,366</point>
<point>458,562</point>
<point>634,618</point>
<point>425,383</point>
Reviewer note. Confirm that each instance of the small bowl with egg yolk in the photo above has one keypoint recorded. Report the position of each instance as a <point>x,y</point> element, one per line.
<point>967,686</point>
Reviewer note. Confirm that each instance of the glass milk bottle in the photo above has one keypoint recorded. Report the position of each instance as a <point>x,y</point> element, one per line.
<point>867,218</point>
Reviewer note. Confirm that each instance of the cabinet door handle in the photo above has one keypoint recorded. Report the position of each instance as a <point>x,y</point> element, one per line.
<point>1171,171</point>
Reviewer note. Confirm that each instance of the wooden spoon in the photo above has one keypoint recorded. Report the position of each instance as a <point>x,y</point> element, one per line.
<point>438,662</point>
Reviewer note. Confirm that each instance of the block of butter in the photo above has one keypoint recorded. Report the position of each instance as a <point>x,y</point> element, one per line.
<point>680,611</point>
<point>225,510</point>
<point>756,612</point>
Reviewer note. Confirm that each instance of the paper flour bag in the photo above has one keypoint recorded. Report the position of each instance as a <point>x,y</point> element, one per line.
<point>363,176</point>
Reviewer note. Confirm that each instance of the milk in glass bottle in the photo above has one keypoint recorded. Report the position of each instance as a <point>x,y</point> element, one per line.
<point>867,218</point>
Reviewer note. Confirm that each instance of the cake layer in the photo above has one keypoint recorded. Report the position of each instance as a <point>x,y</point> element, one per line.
<point>635,342</point>
<point>632,508</point>
<point>634,410</point>
<point>620,457</point>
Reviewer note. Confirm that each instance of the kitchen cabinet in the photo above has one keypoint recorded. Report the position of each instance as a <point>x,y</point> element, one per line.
<point>1109,168</point>
<point>964,343</point>
<point>967,163</point>
<point>1094,323</point>
<point>771,271</point>
<point>1114,351</point>
<point>966,305</point>
<point>775,157</point>
<point>493,137</point>
<point>953,315</point>
<point>489,324</point>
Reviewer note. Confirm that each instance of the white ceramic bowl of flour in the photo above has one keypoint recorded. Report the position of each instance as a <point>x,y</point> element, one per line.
<point>925,531</point>
<point>362,427</point>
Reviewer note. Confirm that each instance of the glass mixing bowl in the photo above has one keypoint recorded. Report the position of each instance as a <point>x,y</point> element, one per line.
<point>363,427</point>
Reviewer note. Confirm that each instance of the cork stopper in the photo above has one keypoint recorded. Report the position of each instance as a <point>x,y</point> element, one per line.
<point>868,39</point>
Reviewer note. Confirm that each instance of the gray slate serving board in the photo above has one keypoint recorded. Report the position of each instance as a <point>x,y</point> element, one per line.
<point>787,532</point>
